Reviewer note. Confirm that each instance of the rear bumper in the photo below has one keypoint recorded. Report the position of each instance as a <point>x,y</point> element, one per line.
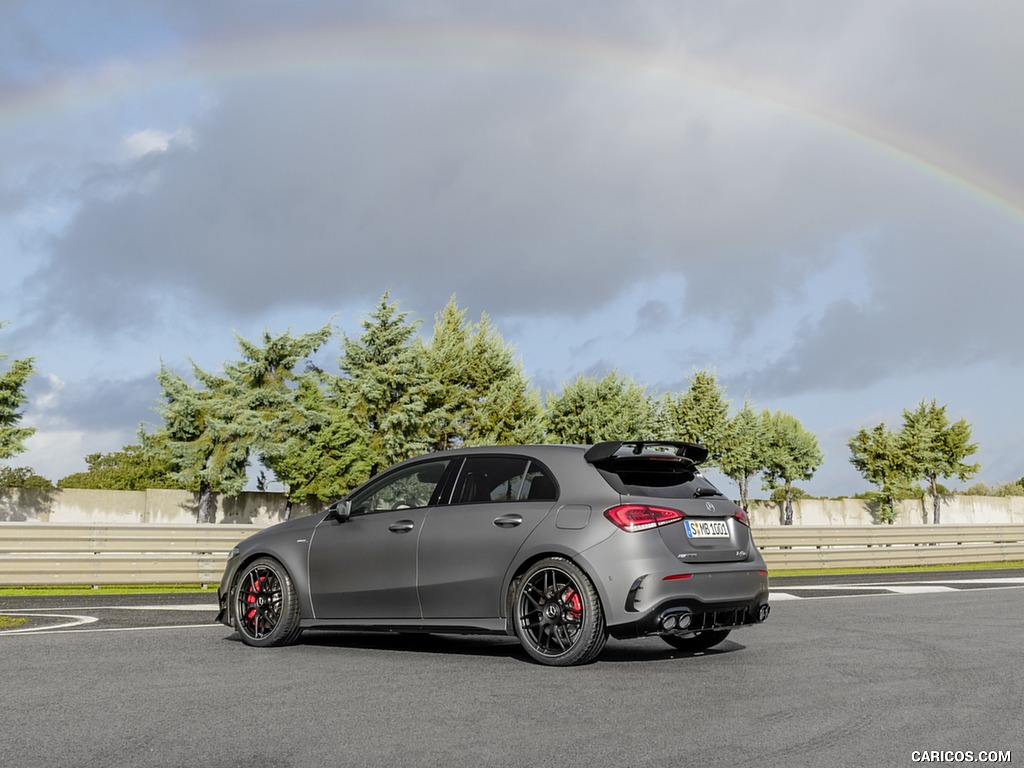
<point>638,590</point>
<point>687,615</point>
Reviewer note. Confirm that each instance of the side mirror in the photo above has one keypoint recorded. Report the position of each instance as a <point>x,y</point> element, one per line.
<point>340,510</point>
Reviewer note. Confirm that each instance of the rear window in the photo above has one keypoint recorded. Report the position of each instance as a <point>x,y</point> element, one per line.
<point>655,476</point>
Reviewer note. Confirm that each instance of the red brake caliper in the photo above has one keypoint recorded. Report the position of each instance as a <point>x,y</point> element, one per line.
<point>251,597</point>
<point>572,599</point>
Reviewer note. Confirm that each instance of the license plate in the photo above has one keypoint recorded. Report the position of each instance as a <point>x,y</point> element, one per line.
<point>706,529</point>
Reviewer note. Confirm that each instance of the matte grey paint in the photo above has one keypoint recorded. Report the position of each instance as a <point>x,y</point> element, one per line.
<point>450,567</point>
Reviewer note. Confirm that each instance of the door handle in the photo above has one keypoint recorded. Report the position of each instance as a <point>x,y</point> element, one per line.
<point>508,521</point>
<point>402,526</point>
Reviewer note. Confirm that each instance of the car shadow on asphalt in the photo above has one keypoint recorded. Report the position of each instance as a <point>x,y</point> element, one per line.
<point>647,649</point>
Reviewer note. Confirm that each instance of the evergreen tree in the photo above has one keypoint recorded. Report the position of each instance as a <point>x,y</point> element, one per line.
<point>791,453</point>
<point>385,386</point>
<point>448,367</point>
<point>330,459</point>
<point>589,411</point>
<point>935,448</point>
<point>744,453</point>
<point>879,456</point>
<point>204,435</point>
<point>12,397</point>
<point>479,393</point>
<point>277,425</point>
<point>700,415</point>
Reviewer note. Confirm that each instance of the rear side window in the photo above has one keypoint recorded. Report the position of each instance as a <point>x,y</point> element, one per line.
<point>502,479</point>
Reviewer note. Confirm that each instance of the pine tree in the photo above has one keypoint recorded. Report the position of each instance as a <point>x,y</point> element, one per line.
<point>329,459</point>
<point>700,415</point>
<point>385,386</point>
<point>448,367</point>
<point>204,435</point>
<point>589,411</point>
<point>935,448</point>
<point>276,424</point>
<point>479,395</point>
<point>12,397</point>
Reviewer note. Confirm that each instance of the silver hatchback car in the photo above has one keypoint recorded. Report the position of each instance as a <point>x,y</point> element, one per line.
<point>557,545</point>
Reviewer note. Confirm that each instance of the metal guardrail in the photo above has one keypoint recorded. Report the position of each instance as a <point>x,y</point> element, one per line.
<point>859,546</point>
<point>80,554</point>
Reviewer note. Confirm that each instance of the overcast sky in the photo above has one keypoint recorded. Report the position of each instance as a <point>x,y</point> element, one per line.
<point>822,202</point>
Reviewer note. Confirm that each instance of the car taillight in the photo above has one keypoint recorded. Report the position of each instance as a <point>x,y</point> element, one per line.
<point>741,517</point>
<point>640,517</point>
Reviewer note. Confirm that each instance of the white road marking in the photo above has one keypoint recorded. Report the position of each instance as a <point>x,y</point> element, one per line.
<point>74,621</point>
<point>1003,580</point>
<point>183,607</point>
<point>56,631</point>
<point>179,607</point>
<point>878,589</point>
<point>77,620</point>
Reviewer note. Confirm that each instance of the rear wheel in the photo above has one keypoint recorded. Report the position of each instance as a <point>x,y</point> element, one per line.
<point>700,641</point>
<point>266,607</point>
<point>557,614</point>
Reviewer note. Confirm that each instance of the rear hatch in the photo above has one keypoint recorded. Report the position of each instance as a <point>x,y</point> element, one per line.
<point>711,528</point>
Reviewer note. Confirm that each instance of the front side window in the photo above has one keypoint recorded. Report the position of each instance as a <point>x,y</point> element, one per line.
<point>407,488</point>
<point>502,478</point>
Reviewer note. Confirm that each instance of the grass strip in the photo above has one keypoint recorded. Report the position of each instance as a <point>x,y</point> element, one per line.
<point>11,622</point>
<point>883,570</point>
<point>109,589</point>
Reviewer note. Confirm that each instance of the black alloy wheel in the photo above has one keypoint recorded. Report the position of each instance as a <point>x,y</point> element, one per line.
<point>557,614</point>
<point>266,607</point>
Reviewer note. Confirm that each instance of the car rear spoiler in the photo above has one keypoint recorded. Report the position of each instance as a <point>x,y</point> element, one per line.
<point>691,452</point>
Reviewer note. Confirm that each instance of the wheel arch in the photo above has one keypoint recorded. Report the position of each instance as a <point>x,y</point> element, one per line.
<point>298,575</point>
<point>524,564</point>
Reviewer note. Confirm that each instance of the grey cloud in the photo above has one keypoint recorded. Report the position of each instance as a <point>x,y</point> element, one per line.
<point>944,297</point>
<point>96,405</point>
<point>526,190</point>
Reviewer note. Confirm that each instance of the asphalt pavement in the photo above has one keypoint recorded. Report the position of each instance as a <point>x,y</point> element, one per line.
<point>931,663</point>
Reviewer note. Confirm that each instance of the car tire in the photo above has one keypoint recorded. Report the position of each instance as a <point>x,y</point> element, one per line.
<point>695,643</point>
<point>266,609</point>
<point>557,614</point>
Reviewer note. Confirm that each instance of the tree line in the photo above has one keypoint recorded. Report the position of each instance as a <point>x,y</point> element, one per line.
<point>397,395</point>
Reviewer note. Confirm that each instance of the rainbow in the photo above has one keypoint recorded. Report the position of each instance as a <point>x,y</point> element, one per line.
<point>356,47</point>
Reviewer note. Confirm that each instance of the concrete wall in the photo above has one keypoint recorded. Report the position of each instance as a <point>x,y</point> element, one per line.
<point>179,507</point>
<point>75,505</point>
<point>955,510</point>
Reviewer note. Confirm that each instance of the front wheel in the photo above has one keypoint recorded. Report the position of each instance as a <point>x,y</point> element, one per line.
<point>557,614</point>
<point>266,607</point>
<point>700,641</point>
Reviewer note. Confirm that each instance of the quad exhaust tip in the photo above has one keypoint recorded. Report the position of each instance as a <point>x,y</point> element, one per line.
<point>677,621</point>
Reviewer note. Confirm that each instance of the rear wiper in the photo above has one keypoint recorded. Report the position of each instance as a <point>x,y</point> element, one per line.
<point>705,491</point>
